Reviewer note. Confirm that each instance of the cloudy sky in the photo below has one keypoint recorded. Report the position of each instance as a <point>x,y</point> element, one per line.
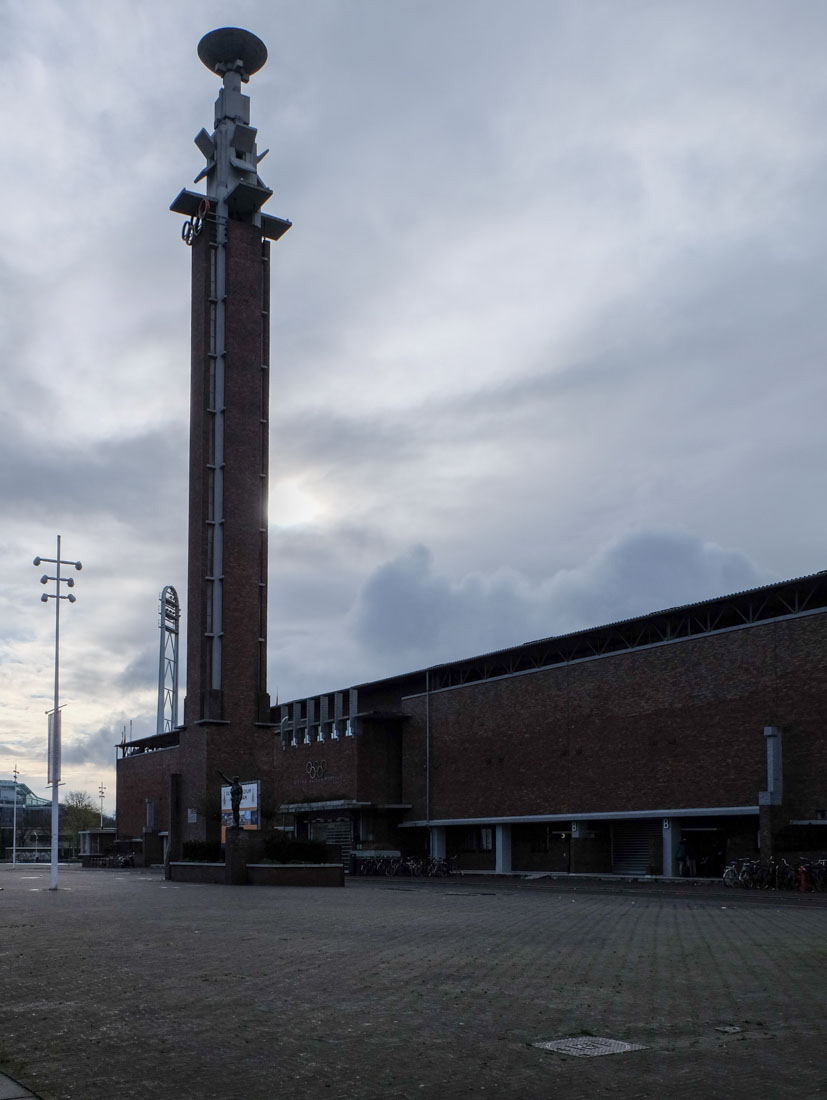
<point>548,333</point>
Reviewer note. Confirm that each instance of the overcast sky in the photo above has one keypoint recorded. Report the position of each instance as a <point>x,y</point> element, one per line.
<point>548,332</point>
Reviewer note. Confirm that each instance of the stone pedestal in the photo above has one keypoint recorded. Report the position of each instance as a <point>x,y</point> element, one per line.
<point>237,856</point>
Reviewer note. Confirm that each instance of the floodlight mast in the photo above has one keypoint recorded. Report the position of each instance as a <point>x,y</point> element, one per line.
<point>170,615</point>
<point>53,776</point>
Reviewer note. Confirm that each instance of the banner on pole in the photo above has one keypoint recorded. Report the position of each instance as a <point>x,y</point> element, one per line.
<point>53,763</point>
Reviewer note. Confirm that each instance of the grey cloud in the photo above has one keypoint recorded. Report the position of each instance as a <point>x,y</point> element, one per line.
<point>140,479</point>
<point>142,672</point>
<point>91,748</point>
<point>407,612</point>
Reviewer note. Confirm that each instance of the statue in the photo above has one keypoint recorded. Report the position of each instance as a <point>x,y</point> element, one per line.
<point>236,791</point>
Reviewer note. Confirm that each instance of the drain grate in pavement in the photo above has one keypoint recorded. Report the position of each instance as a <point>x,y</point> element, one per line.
<point>588,1046</point>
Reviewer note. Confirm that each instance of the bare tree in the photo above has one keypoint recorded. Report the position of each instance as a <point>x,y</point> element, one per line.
<point>78,812</point>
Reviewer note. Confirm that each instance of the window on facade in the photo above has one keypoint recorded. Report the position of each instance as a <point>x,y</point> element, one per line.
<point>486,840</point>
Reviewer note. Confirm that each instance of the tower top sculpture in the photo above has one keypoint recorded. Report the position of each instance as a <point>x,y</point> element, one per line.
<point>234,188</point>
<point>231,49</point>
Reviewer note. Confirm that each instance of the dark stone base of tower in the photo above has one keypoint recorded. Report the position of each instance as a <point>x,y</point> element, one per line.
<point>168,794</point>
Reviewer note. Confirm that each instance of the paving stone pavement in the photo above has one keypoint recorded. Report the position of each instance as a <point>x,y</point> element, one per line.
<point>120,986</point>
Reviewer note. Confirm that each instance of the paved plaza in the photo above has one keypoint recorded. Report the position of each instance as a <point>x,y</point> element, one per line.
<point>120,986</point>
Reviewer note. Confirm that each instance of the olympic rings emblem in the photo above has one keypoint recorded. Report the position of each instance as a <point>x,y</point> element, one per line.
<point>191,228</point>
<point>315,768</point>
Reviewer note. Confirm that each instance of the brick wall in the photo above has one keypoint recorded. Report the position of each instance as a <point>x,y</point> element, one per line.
<point>138,778</point>
<point>677,726</point>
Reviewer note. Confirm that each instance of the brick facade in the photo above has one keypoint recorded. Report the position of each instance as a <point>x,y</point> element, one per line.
<point>245,475</point>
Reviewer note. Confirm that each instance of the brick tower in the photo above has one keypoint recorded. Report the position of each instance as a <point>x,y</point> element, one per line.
<point>227,720</point>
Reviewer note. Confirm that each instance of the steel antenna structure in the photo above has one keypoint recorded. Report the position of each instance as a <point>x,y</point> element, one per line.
<point>169,616</point>
<point>53,776</point>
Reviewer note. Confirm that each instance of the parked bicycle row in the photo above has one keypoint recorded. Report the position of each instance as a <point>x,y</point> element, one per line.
<point>407,866</point>
<point>778,874</point>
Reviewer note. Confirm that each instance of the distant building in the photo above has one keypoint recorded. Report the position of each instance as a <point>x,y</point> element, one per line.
<point>33,819</point>
<point>598,751</point>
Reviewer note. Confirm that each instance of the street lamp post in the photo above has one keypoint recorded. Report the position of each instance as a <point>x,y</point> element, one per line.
<point>15,773</point>
<point>54,725</point>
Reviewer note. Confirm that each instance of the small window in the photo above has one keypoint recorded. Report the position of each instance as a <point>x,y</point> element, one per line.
<point>486,840</point>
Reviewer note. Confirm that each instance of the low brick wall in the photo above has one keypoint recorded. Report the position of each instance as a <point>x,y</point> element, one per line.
<point>263,874</point>
<point>197,872</point>
<point>295,874</point>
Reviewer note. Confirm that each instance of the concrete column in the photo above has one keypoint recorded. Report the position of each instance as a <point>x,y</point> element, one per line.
<point>770,801</point>
<point>353,710</point>
<point>774,794</point>
<point>671,840</point>
<point>438,848</point>
<point>324,713</point>
<point>503,849</point>
<point>578,829</point>
<point>338,710</point>
<point>172,840</point>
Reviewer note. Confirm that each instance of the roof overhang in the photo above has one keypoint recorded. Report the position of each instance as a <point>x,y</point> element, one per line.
<point>606,815</point>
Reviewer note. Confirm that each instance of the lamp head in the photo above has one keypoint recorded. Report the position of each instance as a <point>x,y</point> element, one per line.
<point>36,561</point>
<point>44,579</point>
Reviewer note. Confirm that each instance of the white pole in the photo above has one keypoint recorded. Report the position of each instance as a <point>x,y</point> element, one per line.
<point>56,733</point>
<point>54,746</point>
<point>14,820</point>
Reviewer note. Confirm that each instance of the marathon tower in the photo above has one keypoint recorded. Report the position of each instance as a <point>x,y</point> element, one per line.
<point>229,419</point>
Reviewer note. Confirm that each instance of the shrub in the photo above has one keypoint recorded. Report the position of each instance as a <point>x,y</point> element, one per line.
<point>201,851</point>
<point>283,849</point>
<point>801,838</point>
